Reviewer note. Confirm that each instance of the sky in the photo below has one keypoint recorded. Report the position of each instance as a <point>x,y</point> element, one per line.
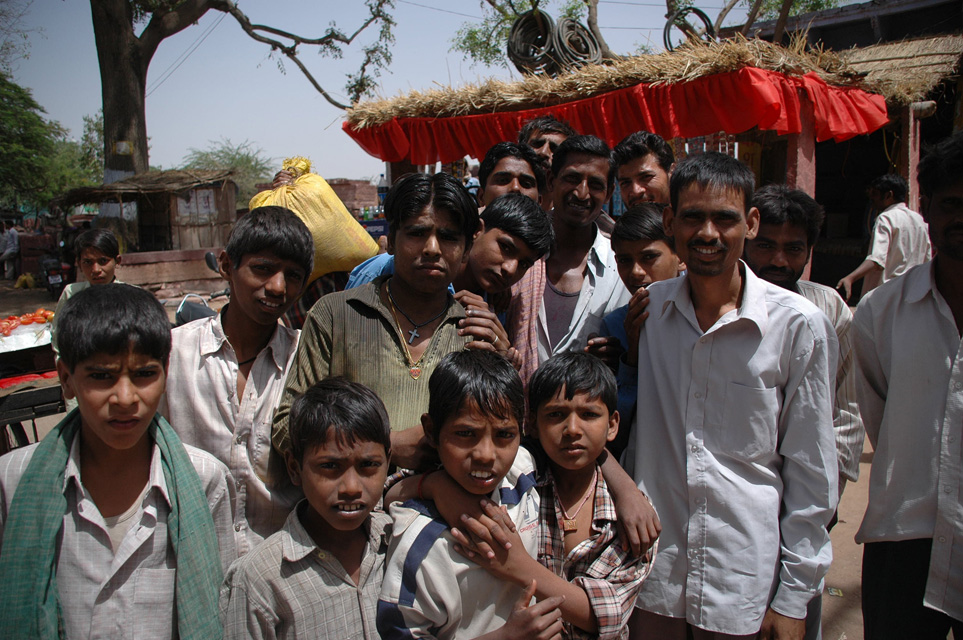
<point>212,82</point>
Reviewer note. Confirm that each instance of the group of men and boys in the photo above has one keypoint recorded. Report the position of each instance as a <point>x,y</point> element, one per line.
<point>504,360</point>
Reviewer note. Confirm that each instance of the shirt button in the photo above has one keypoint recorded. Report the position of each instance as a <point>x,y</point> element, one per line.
<point>703,340</point>
<point>237,527</point>
<point>698,394</point>
<point>947,489</point>
<point>237,483</point>
<point>942,538</point>
<point>695,448</point>
<point>239,439</point>
<point>958,386</point>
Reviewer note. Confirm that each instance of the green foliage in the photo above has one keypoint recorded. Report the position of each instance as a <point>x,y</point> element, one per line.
<point>26,142</point>
<point>66,169</point>
<point>248,162</point>
<point>14,41</point>
<point>770,8</point>
<point>92,146</point>
<point>486,42</point>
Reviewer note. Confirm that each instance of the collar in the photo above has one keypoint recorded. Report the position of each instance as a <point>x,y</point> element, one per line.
<point>368,295</point>
<point>752,307</point>
<point>298,544</point>
<point>154,480</point>
<point>213,340</point>
<point>920,282</point>
<point>604,507</point>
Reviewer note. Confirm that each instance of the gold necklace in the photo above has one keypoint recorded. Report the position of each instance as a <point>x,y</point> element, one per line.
<point>570,523</point>
<point>414,368</point>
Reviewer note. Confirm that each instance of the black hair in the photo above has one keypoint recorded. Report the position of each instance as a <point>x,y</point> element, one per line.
<point>481,377</point>
<point>942,165</point>
<point>351,410</point>
<point>112,318</point>
<point>641,222</point>
<point>544,124</point>
<point>891,182</point>
<point>587,145</point>
<point>274,229</point>
<point>577,372</point>
<point>522,217</point>
<point>103,240</point>
<point>778,204</point>
<point>716,169</point>
<point>640,144</point>
<point>413,193</point>
<point>505,149</point>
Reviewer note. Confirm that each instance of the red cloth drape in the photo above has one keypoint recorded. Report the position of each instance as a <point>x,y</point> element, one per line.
<point>732,102</point>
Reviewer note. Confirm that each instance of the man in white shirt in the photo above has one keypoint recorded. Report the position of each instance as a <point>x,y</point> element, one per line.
<point>899,243</point>
<point>734,438</point>
<point>910,385</point>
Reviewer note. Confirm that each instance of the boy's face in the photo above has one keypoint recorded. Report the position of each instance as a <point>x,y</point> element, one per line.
<point>499,259</point>
<point>97,267</point>
<point>779,253</point>
<point>510,175</point>
<point>943,211</point>
<point>643,180</point>
<point>263,286</point>
<point>710,226</point>
<point>429,251</point>
<point>574,432</point>
<point>476,449</point>
<point>117,396</point>
<point>341,482</point>
<point>642,262</point>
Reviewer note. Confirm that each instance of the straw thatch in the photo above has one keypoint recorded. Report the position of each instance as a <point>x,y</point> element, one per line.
<point>694,60</point>
<point>907,71</point>
<point>173,181</point>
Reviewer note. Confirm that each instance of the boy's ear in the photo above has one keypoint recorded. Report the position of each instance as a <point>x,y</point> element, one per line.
<point>65,380</point>
<point>118,259</point>
<point>613,426</point>
<point>293,467</point>
<point>667,216</point>
<point>224,266</point>
<point>481,230</point>
<point>428,425</point>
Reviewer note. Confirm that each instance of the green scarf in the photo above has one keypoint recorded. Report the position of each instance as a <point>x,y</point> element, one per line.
<point>29,601</point>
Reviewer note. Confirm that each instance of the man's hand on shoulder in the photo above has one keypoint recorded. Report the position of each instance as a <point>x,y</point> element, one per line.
<point>776,626</point>
<point>410,449</point>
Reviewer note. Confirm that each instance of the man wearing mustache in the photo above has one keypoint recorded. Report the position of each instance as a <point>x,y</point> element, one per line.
<point>735,444</point>
<point>789,222</point>
<point>910,389</point>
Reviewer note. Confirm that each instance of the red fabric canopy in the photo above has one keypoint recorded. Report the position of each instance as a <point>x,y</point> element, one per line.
<point>732,102</point>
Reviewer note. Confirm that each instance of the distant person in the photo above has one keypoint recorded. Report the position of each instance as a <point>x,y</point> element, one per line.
<point>472,183</point>
<point>98,254</point>
<point>734,439</point>
<point>899,242</point>
<point>643,164</point>
<point>910,383</point>
<point>320,575</point>
<point>227,371</point>
<point>111,527</point>
<point>11,250</point>
<point>544,134</point>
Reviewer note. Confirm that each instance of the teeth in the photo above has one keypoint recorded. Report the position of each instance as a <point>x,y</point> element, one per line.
<point>351,508</point>
<point>482,475</point>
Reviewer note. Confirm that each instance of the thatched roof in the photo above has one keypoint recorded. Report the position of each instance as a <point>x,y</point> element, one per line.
<point>173,181</point>
<point>687,63</point>
<point>907,71</point>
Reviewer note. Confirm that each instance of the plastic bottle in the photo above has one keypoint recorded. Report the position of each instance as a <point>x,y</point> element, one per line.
<point>382,189</point>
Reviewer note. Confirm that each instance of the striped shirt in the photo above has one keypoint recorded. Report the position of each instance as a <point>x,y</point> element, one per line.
<point>601,565</point>
<point>204,409</point>
<point>352,334</point>
<point>288,587</point>
<point>129,594</point>
<point>847,424</point>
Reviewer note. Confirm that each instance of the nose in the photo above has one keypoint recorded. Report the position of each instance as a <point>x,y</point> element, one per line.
<point>125,392</point>
<point>509,269</point>
<point>351,483</point>
<point>582,190</point>
<point>639,273</point>
<point>484,451</point>
<point>275,284</point>
<point>571,426</point>
<point>779,259</point>
<point>708,231</point>
<point>431,248</point>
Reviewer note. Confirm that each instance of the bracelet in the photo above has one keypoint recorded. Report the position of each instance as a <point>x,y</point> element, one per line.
<point>421,485</point>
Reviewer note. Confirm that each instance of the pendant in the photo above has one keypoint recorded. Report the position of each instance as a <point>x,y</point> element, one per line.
<point>414,334</point>
<point>569,525</point>
<point>414,372</point>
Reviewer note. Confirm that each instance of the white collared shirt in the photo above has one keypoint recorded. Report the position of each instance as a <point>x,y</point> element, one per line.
<point>733,442</point>
<point>129,594</point>
<point>202,405</point>
<point>900,241</point>
<point>602,293</point>
<point>906,341</point>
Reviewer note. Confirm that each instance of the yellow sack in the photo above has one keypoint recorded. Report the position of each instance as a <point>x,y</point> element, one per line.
<point>340,242</point>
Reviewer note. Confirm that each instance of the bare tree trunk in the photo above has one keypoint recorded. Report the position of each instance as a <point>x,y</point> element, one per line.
<point>593,25</point>
<point>722,14</point>
<point>123,74</point>
<point>751,18</point>
<point>781,22</point>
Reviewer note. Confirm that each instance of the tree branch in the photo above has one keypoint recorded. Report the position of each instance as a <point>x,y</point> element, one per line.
<point>781,21</point>
<point>753,12</point>
<point>725,12</point>
<point>593,25</point>
<point>164,24</point>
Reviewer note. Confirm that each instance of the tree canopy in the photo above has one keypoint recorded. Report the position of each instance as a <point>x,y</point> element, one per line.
<point>247,160</point>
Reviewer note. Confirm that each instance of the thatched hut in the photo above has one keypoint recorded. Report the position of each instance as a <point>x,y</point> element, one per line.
<point>173,210</point>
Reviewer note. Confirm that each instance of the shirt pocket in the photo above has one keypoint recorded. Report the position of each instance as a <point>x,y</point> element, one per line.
<point>153,612</point>
<point>748,429</point>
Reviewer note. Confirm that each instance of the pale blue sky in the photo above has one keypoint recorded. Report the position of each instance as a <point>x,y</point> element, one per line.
<point>229,87</point>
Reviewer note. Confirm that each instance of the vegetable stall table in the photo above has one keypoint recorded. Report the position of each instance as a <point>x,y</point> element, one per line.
<point>34,390</point>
